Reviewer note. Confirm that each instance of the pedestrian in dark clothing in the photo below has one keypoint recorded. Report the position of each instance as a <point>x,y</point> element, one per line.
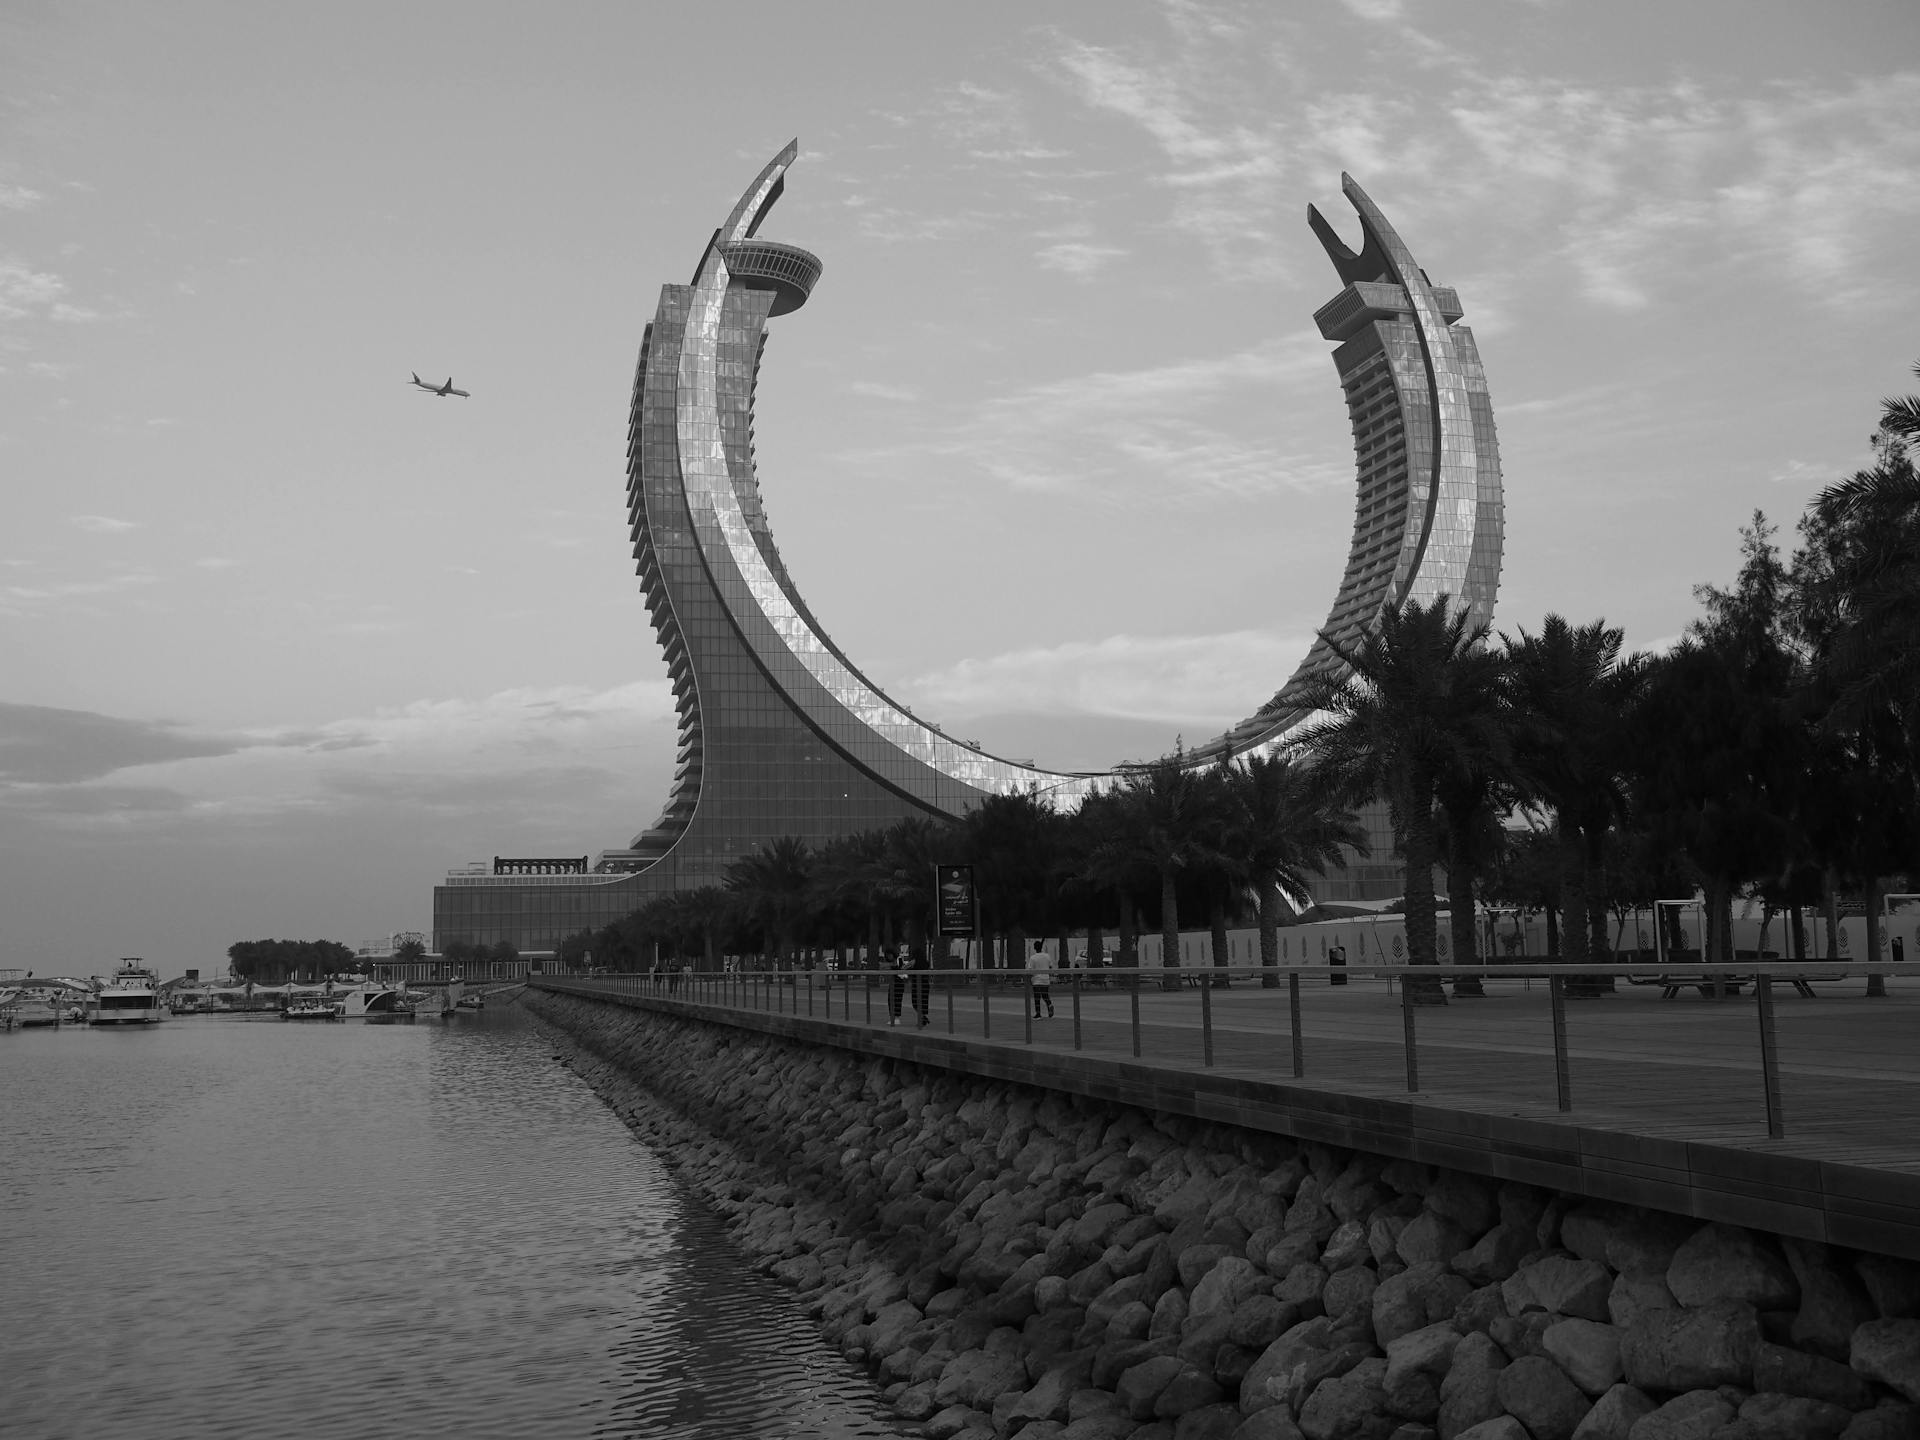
<point>897,990</point>
<point>923,984</point>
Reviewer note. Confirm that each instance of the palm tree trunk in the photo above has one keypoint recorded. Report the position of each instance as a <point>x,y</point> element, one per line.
<point>1129,933</point>
<point>1830,904</point>
<point>1169,930</point>
<point>1876,984</point>
<point>1574,933</point>
<point>1421,909</point>
<point>1096,942</point>
<point>1594,877</point>
<point>1217,930</point>
<point>1460,908</point>
<point>1269,932</point>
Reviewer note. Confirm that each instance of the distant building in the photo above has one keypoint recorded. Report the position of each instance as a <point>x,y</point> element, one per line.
<point>780,733</point>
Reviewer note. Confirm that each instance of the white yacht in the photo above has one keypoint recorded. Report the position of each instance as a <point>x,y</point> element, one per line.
<point>131,997</point>
<point>373,1001</point>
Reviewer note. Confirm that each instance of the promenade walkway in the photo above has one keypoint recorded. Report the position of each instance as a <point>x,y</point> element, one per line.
<point>1666,1098</point>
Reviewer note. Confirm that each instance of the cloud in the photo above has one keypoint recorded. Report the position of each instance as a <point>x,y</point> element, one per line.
<point>1100,436</point>
<point>1078,258</point>
<point>877,390</point>
<point>43,745</point>
<point>52,369</point>
<point>1094,435</point>
<point>534,755</point>
<point>92,806</point>
<point>24,290</point>
<point>1636,189</point>
<point>18,197</point>
<point>1171,679</point>
<point>19,601</point>
<point>103,524</point>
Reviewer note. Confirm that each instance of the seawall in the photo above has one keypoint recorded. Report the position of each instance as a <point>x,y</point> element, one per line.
<point>1016,1261</point>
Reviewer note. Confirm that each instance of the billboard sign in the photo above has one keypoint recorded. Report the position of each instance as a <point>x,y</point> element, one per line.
<point>953,899</point>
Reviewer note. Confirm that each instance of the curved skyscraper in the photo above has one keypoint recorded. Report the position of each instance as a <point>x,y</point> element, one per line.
<point>781,734</point>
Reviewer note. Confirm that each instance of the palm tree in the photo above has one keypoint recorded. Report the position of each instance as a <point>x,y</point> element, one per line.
<point>1109,852</point>
<point>1856,607</point>
<point>1469,836</point>
<point>1284,827</point>
<point>1012,840</point>
<point>1572,692</point>
<point>904,878</point>
<point>1421,702</point>
<point>771,888</point>
<point>1175,812</point>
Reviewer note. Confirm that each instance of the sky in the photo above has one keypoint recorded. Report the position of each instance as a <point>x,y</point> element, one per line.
<point>1054,451</point>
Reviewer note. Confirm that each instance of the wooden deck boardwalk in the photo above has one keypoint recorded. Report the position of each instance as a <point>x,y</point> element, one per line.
<point>1668,1102</point>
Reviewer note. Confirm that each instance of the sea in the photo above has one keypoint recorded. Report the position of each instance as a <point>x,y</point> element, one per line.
<point>226,1226</point>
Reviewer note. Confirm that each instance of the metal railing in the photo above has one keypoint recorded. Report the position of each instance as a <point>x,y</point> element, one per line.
<point>1256,1020</point>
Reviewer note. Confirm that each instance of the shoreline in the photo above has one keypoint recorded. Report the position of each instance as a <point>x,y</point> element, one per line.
<point>1006,1261</point>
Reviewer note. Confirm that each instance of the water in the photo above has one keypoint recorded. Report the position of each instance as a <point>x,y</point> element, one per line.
<point>222,1226</point>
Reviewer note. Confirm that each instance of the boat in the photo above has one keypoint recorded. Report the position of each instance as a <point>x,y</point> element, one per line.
<point>310,1007</point>
<point>36,1006</point>
<point>131,997</point>
<point>378,1003</point>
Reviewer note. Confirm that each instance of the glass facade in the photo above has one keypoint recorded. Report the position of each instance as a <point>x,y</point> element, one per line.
<point>780,734</point>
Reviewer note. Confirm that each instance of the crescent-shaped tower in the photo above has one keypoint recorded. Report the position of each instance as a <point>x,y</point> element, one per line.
<point>779,732</point>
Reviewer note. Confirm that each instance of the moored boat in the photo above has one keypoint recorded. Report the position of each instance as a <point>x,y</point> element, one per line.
<point>378,1003</point>
<point>35,1006</point>
<point>311,1007</point>
<point>131,997</point>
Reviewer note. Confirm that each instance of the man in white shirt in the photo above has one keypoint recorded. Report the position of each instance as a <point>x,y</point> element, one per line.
<point>1040,970</point>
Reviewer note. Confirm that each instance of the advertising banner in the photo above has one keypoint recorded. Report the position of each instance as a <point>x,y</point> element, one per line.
<point>953,899</point>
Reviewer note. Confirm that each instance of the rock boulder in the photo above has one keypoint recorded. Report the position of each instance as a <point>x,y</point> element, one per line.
<point>1725,1262</point>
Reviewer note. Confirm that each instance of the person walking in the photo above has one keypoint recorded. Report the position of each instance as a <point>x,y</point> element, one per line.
<point>1040,973</point>
<point>897,991</point>
<point>922,984</point>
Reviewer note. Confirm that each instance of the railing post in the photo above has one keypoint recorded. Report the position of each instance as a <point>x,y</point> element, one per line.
<point>1133,996</point>
<point>1026,985</point>
<point>986,1008</point>
<point>1293,1006</point>
<point>1075,977</point>
<point>796,981</point>
<point>1406,1026</point>
<point>1769,1057</point>
<point>1206,1018</point>
<point>950,989</point>
<point>1562,1071</point>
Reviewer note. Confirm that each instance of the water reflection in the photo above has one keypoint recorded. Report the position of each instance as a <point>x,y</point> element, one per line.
<point>223,1226</point>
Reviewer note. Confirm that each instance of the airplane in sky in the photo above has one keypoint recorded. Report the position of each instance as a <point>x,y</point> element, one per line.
<point>446,389</point>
